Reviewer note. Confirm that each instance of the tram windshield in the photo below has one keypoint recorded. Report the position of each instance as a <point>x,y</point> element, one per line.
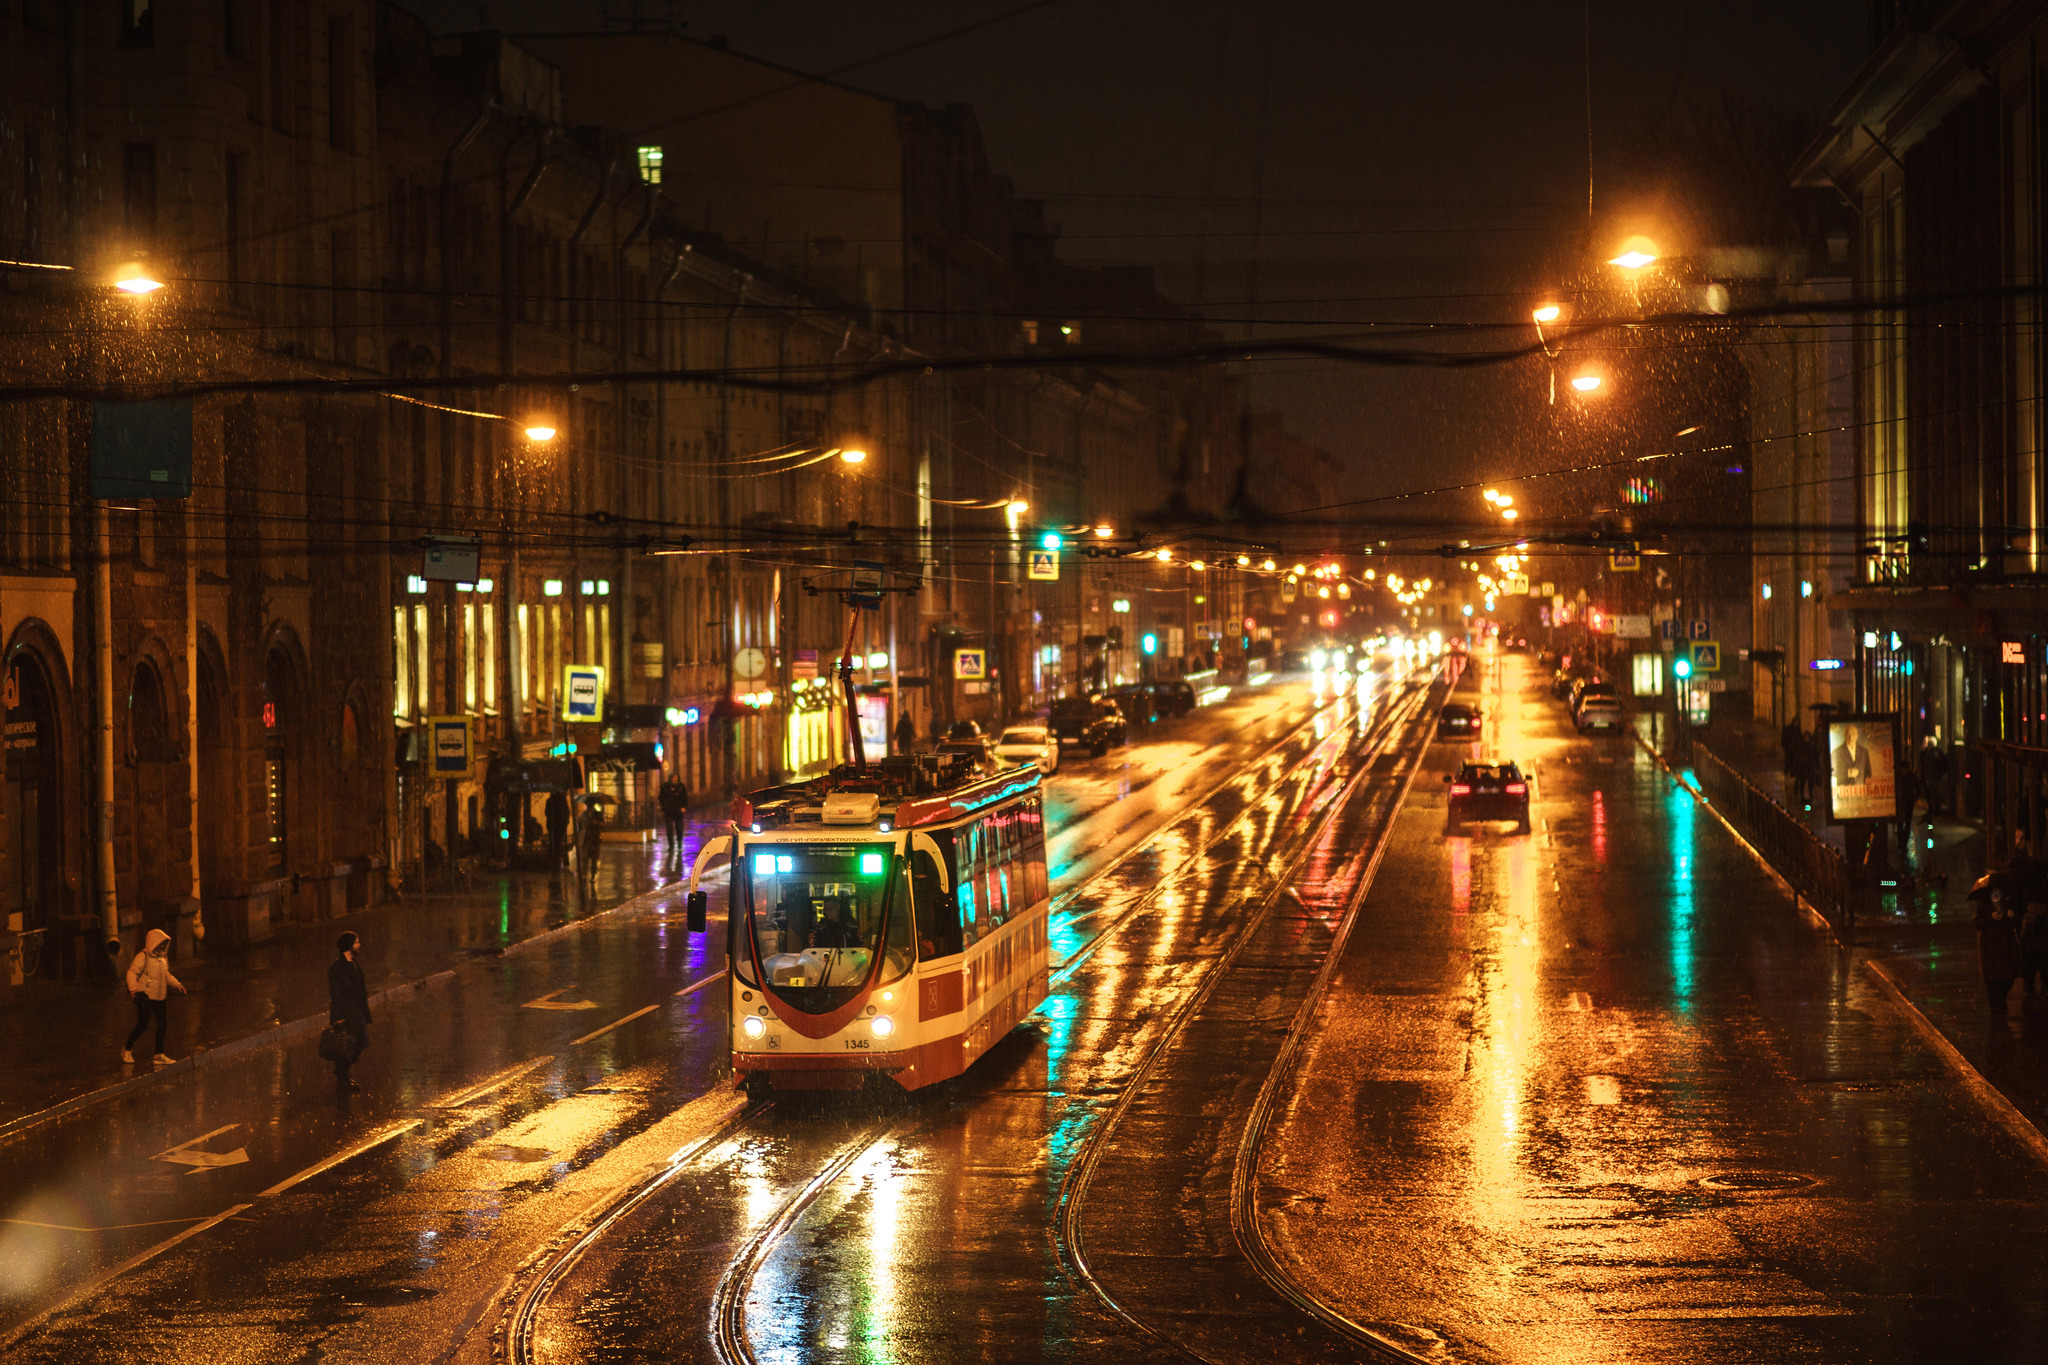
<point>817,916</point>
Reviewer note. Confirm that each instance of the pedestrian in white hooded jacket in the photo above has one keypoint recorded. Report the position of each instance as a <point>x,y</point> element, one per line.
<point>150,983</point>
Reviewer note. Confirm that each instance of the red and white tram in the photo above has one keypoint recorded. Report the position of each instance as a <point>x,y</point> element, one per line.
<point>889,919</point>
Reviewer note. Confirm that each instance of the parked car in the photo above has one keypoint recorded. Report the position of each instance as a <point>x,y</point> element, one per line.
<point>1029,744</point>
<point>1094,723</point>
<point>1138,705</point>
<point>1173,697</point>
<point>1487,791</point>
<point>1590,688</point>
<point>1565,679</point>
<point>1457,721</point>
<point>964,729</point>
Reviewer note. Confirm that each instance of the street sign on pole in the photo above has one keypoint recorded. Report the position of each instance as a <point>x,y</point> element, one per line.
<point>1706,656</point>
<point>451,560</point>
<point>1625,561</point>
<point>452,745</point>
<point>1699,628</point>
<point>583,693</point>
<point>1043,565</point>
<point>971,664</point>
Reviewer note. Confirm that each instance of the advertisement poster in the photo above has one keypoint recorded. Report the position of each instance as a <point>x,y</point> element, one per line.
<point>1861,768</point>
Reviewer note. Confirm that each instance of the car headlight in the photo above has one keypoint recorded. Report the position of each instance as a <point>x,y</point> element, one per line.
<point>753,1026</point>
<point>883,1025</point>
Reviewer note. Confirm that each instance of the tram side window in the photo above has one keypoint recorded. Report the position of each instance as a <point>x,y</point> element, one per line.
<point>1032,824</point>
<point>938,912</point>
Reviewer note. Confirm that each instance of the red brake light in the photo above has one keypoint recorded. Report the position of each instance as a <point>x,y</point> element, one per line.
<point>1460,789</point>
<point>1517,788</point>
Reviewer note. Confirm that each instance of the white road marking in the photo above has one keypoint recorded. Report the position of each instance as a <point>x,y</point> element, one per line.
<point>345,1154</point>
<point>185,1153</point>
<point>599,1033</point>
<point>485,1087</point>
<point>700,984</point>
<point>100,1281</point>
<point>111,1227</point>
<point>548,1002</point>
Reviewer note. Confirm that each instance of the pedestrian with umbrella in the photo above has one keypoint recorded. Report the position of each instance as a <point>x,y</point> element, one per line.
<point>1998,940</point>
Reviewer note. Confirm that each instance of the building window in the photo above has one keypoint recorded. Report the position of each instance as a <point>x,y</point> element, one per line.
<point>351,738</point>
<point>138,191</point>
<point>138,23</point>
<point>522,681</point>
<point>422,672</point>
<point>401,666</point>
<point>235,193</point>
<point>650,165</point>
<point>1072,332</point>
<point>233,40</point>
<point>487,645</point>
<point>1030,332</point>
<point>469,656</point>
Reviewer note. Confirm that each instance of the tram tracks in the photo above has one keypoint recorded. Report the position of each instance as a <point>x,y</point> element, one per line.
<point>1071,1243</point>
<point>728,1331</point>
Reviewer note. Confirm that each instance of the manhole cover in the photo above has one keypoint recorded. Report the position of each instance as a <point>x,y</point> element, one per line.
<point>521,1154</point>
<point>1756,1182</point>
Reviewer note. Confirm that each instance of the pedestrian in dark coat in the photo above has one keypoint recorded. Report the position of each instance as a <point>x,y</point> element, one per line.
<point>2027,898</point>
<point>674,800</point>
<point>348,1004</point>
<point>1998,943</point>
<point>1932,762</point>
<point>557,813</point>
<point>906,734</point>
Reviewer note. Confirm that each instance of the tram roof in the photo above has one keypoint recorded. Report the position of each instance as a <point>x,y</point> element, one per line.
<point>908,794</point>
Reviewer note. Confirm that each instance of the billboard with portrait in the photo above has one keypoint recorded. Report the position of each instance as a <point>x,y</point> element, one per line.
<point>1862,767</point>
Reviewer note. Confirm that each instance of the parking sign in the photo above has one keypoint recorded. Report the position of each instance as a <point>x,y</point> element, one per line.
<point>1700,628</point>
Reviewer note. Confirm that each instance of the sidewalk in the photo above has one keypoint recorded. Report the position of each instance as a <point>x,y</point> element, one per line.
<point>1922,941</point>
<point>64,1037</point>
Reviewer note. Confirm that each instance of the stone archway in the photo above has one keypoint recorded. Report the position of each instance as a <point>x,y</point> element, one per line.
<point>34,861</point>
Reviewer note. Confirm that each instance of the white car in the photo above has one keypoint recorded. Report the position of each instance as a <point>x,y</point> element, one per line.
<point>1029,744</point>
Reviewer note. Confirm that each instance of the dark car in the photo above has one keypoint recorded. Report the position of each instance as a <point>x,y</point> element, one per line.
<point>964,729</point>
<point>1565,679</point>
<point>1173,698</point>
<point>1094,723</point>
<point>1591,687</point>
<point>1138,704</point>
<point>1457,721</point>
<point>1487,791</point>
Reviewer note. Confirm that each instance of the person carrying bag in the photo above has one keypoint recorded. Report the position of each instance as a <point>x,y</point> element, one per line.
<point>348,1012</point>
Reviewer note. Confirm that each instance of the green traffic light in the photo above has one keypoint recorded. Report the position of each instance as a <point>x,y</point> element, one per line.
<point>1681,669</point>
<point>1050,540</point>
<point>1150,644</point>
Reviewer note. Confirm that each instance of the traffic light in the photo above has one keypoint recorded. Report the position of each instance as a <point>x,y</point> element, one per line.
<point>1150,643</point>
<point>1681,668</point>
<point>1050,540</point>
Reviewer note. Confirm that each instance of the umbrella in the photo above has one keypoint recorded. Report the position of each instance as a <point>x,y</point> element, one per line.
<point>1986,884</point>
<point>593,798</point>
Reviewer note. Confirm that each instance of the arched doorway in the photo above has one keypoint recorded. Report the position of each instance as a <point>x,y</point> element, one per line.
<point>35,810</point>
<point>161,871</point>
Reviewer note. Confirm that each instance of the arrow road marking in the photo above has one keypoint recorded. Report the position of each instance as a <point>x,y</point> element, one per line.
<point>184,1155</point>
<point>548,1002</point>
<point>616,1023</point>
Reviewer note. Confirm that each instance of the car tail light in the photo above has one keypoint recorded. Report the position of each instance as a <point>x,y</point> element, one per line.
<point>1517,788</point>
<point>1460,789</point>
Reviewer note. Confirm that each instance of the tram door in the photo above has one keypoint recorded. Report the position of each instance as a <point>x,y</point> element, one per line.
<point>34,854</point>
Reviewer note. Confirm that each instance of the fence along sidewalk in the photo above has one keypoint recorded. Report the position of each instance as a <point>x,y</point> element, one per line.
<point>1816,870</point>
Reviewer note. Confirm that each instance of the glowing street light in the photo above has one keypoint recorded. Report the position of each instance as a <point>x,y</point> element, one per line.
<point>1163,556</point>
<point>138,284</point>
<point>1511,514</point>
<point>1105,532</point>
<point>1587,383</point>
<point>1636,253</point>
<point>1018,507</point>
<point>1549,312</point>
<point>540,432</point>
<point>853,456</point>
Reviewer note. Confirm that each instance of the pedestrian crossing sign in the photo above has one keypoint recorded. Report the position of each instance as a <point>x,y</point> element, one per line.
<point>1624,561</point>
<point>1044,564</point>
<point>1706,656</point>
<point>970,663</point>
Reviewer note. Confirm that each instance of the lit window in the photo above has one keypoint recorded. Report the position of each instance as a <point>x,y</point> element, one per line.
<point>551,588</point>
<point>650,165</point>
<point>415,584</point>
<point>1030,332</point>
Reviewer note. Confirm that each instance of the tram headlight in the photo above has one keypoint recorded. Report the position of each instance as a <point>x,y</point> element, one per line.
<point>883,1025</point>
<point>754,1026</point>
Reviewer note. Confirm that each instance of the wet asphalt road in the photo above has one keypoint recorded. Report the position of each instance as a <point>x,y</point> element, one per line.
<point>1591,1093</point>
<point>1554,1067</point>
<point>494,1108</point>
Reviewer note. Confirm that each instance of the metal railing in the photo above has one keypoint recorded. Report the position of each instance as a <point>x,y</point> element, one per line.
<point>1815,869</point>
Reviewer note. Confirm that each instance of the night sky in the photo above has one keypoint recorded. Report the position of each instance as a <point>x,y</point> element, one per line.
<point>1422,162</point>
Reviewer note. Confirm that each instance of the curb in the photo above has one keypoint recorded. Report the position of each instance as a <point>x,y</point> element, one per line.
<point>2009,1115</point>
<point>233,1047</point>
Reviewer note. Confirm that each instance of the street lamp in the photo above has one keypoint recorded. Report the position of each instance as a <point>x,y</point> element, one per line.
<point>853,456</point>
<point>540,431</point>
<point>134,280</point>
<point>1549,312</point>
<point>1636,253</point>
<point>1587,383</point>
